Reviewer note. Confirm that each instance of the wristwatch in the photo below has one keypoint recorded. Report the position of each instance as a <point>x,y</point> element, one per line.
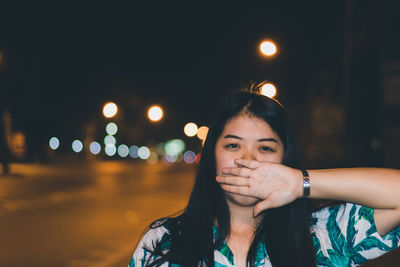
<point>306,183</point>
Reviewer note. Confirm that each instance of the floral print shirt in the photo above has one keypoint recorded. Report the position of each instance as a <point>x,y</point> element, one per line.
<point>343,235</point>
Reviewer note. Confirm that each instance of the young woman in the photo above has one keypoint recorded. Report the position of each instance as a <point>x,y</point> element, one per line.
<point>250,205</point>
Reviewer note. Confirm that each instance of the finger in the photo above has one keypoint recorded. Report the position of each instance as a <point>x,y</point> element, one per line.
<point>240,190</point>
<point>251,164</point>
<point>233,180</point>
<point>242,172</point>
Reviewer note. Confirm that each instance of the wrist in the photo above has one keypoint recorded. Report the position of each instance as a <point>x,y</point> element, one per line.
<point>300,187</point>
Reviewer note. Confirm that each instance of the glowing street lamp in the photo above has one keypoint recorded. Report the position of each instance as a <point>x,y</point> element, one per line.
<point>111,128</point>
<point>155,113</point>
<point>268,48</point>
<point>54,143</point>
<point>110,110</point>
<point>77,146</point>
<point>202,132</point>
<point>190,129</point>
<point>268,89</point>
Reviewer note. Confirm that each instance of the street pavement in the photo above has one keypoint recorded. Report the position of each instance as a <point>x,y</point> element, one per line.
<point>90,213</point>
<point>84,214</point>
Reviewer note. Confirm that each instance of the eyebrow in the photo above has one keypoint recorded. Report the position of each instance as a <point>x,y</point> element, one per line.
<point>259,140</point>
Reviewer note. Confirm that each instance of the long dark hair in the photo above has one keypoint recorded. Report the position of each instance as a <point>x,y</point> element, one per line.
<point>285,230</point>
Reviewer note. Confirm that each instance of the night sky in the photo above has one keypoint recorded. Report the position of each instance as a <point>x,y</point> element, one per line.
<point>62,62</point>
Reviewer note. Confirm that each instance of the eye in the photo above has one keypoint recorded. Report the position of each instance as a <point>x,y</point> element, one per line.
<point>266,149</point>
<point>231,146</point>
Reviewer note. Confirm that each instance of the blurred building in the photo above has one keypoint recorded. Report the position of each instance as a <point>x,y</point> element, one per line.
<point>391,113</point>
<point>350,112</point>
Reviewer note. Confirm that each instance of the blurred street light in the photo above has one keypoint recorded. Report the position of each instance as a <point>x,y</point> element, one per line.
<point>189,157</point>
<point>268,48</point>
<point>144,152</point>
<point>153,158</point>
<point>77,146</point>
<point>268,89</point>
<point>54,143</point>
<point>110,140</point>
<point>190,129</point>
<point>110,150</point>
<point>95,148</point>
<point>169,159</point>
<point>134,152</point>
<point>155,113</point>
<point>111,128</point>
<point>110,110</point>
<point>174,147</point>
<point>202,132</point>
<point>123,151</point>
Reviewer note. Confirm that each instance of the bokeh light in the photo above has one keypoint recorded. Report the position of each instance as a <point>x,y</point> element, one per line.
<point>153,158</point>
<point>94,148</point>
<point>174,147</point>
<point>144,152</point>
<point>169,159</point>
<point>77,146</point>
<point>155,113</point>
<point>269,90</point>
<point>268,48</point>
<point>110,110</point>
<point>110,150</point>
<point>110,140</point>
<point>189,157</point>
<point>123,151</point>
<point>202,132</point>
<point>190,129</point>
<point>134,152</point>
<point>111,128</point>
<point>54,143</point>
<point>198,157</point>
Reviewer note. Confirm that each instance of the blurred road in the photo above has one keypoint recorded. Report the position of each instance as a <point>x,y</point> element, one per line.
<point>84,214</point>
<point>90,214</point>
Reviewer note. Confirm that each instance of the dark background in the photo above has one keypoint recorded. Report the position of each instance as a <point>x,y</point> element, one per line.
<point>337,70</point>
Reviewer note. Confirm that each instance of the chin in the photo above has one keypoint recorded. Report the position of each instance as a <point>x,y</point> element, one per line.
<point>242,200</point>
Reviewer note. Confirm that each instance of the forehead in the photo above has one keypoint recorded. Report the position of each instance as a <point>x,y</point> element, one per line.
<point>249,126</point>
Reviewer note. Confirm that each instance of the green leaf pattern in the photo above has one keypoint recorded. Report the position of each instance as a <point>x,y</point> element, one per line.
<point>344,235</point>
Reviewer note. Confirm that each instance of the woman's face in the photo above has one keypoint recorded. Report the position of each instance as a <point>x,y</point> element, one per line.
<point>246,137</point>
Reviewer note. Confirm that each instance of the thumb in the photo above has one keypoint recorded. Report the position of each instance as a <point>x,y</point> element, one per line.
<point>261,206</point>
